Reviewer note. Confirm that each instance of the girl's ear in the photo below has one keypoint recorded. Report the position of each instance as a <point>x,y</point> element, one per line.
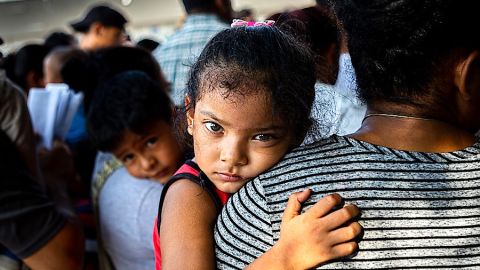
<point>190,113</point>
<point>187,101</point>
<point>467,76</point>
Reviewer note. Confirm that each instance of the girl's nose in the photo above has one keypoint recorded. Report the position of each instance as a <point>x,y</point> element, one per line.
<point>234,153</point>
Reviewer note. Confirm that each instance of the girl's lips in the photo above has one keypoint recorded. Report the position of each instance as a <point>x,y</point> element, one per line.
<point>228,177</point>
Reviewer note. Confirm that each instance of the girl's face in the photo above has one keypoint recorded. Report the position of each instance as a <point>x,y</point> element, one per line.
<point>236,138</point>
<point>155,155</point>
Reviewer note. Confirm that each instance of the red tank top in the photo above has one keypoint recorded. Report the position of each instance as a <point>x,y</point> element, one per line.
<point>190,171</point>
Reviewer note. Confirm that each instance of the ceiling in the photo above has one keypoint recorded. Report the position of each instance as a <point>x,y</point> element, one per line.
<point>22,20</point>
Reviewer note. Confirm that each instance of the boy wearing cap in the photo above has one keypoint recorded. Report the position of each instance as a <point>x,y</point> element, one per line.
<point>101,27</point>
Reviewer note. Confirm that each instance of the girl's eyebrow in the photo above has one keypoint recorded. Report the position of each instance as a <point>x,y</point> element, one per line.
<point>274,128</point>
<point>212,115</point>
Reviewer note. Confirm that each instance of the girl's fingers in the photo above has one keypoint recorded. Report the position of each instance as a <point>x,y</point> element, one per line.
<point>302,196</point>
<point>345,234</point>
<point>294,205</point>
<point>339,217</point>
<point>325,205</point>
<point>344,249</point>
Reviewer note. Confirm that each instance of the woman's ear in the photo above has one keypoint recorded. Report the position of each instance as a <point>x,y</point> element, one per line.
<point>189,110</point>
<point>467,76</point>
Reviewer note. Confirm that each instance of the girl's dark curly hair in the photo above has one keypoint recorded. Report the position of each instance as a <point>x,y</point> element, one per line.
<point>246,60</point>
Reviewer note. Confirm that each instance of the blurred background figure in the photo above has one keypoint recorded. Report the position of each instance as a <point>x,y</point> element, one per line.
<point>55,61</point>
<point>1,54</point>
<point>101,27</point>
<point>15,122</point>
<point>33,228</point>
<point>246,14</point>
<point>60,39</point>
<point>205,19</point>
<point>148,44</point>
<point>25,67</point>
<point>111,61</point>
<point>337,109</point>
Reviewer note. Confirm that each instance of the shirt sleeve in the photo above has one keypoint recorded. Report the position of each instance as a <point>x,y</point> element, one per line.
<point>15,121</point>
<point>243,231</point>
<point>149,208</point>
<point>28,219</point>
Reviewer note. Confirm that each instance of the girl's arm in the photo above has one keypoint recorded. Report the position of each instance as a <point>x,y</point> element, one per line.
<point>313,237</point>
<point>307,240</point>
<point>186,230</point>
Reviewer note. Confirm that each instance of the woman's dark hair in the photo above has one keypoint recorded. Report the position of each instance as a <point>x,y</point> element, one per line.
<point>246,60</point>
<point>28,59</point>
<point>401,49</point>
<point>130,101</point>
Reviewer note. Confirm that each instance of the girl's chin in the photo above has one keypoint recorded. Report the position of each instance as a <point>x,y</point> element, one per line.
<point>231,187</point>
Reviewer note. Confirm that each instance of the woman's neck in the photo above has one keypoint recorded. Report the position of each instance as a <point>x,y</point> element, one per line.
<point>410,132</point>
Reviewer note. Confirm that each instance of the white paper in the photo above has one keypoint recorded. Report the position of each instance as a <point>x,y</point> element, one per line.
<point>52,110</point>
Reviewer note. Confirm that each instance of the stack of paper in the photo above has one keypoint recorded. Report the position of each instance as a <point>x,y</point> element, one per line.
<point>52,110</point>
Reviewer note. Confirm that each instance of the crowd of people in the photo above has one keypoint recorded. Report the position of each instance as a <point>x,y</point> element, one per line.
<point>337,136</point>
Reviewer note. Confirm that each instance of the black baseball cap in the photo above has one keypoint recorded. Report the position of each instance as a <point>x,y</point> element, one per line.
<point>102,14</point>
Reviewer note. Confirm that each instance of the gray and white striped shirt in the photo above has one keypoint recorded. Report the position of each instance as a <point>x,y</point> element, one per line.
<point>419,210</point>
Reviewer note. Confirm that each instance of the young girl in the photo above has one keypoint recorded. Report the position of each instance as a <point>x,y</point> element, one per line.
<point>248,102</point>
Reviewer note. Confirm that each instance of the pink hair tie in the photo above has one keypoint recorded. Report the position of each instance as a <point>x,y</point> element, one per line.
<point>239,23</point>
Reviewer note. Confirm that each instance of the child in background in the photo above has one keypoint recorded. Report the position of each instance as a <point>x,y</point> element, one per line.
<point>131,116</point>
<point>248,103</point>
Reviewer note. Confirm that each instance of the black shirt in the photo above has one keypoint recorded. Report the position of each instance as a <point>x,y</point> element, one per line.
<point>28,218</point>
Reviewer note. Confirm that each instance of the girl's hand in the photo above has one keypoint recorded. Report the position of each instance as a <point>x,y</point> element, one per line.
<point>318,235</point>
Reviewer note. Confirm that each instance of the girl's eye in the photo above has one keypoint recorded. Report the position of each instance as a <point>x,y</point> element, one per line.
<point>127,158</point>
<point>213,127</point>
<point>263,137</point>
<point>151,142</point>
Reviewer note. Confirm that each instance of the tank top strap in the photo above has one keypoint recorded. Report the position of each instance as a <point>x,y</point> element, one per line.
<point>192,172</point>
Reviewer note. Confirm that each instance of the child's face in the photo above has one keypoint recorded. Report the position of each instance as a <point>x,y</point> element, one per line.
<point>236,138</point>
<point>154,154</point>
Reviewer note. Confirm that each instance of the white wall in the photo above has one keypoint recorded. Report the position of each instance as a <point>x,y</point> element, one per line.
<point>31,20</point>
